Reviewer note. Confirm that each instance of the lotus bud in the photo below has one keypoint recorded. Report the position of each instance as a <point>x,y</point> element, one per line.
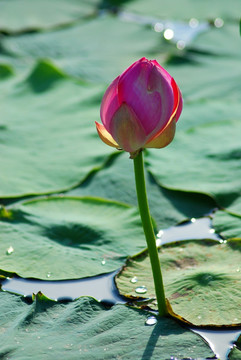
<point>140,108</point>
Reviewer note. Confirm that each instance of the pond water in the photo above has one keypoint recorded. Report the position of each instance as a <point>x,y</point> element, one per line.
<point>220,341</point>
<point>100,287</point>
<point>103,287</point>
<point>193,229</point>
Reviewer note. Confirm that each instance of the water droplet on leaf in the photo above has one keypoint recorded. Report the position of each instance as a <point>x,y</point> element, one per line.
<point>10,250</point>
<point>160,233</point>
<point>141,290</point>
<point>223,241</point>
<point>158,242</point>
<point>134,280</point>
<point>151,320</point>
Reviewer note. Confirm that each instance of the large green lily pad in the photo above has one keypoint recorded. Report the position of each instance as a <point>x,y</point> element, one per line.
<point>48,140</point>
<point>211,42</point>
<point>203,159</point>
<point>28,15</point>
<point>85,329</point>
<point>202,280</point>
<point>186,9</point>
<point>116,181</point>
<point>206,112</point>
<point>203,79</point>
<point>68,238</point>
<point>97,50</point>
<point>236,206</point>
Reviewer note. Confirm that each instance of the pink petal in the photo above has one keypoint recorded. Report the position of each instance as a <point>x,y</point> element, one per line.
<point>160,83</point>
<point>180,106</point>
<point>148,94</point>
<point>105,136</point>
<point>177,109</point>
<point>109,103</point>
<point>178,103</point>
<point>164,138</point>
<point>127,130</point>
<point>162,71</point>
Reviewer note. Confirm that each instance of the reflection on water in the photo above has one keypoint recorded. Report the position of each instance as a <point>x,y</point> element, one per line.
<point>179,32</point>
<point>194,229</point>
<point>103,287</point>
<point>100,287</point>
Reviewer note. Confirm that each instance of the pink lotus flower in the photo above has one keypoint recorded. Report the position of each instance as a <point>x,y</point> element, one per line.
<point>140,108</point>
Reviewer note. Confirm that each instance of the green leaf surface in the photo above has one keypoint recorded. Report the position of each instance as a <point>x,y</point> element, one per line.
<point>5,71</point>
<point>97,50</point>
<point>116,181</point>
<point>228,225</point>
<point>86,329</point>
<point>25,15</point>
<point>202,280</point>
<point>186,9</point>
<point>48,140</point>
<point>211,42</point>
<point>202,78</point>
<point>202,159</point>
<point>68,238</point>
<point>205,112</point>
<point>236,206</point>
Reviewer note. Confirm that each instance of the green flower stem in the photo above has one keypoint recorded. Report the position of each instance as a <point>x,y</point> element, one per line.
<point>149,233</point>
